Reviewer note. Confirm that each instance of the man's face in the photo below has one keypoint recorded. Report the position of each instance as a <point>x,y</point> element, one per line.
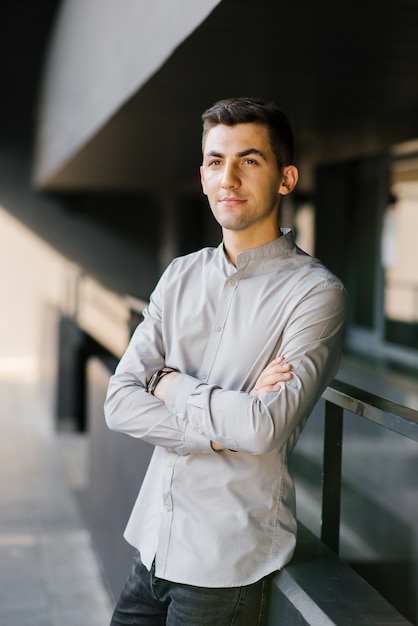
<point>240,177</point>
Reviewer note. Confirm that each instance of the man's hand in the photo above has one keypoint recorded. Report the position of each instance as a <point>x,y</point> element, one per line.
<point>216,446</point>
<point>276,372</point>
<point>159,391</point>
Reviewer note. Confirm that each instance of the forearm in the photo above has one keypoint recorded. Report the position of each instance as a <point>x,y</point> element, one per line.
<point>130,409</point>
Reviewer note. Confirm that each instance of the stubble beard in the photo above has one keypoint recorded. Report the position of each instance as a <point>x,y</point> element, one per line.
<point>240,221</point>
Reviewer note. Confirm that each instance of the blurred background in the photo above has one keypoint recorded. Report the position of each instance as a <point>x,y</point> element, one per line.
<point>99,189</point>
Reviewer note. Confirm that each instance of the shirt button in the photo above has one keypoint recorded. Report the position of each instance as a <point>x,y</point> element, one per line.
<point>170,464</point>
<point>204,376</point>
<point>218,328</point>
<point>168,508</point>
<point>231,282</point>
<point>200,431</point>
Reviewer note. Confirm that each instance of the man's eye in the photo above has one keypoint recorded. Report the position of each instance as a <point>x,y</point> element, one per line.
<point>214,162</point>
<point>250,161</point>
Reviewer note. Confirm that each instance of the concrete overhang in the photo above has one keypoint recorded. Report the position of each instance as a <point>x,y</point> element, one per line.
<point>124,88</point>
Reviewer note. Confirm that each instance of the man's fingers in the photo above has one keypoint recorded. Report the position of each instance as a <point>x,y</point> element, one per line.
<point>273,377</point>
<point>275,373</point>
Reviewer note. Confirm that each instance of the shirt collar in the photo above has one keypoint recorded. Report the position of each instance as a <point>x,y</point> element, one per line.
<point>274,248</point>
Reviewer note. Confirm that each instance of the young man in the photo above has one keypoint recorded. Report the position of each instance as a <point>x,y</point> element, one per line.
<point>204,380</point>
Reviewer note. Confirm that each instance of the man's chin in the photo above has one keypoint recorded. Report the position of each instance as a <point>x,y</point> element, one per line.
<point>232,222</point>
<point>234,225</point>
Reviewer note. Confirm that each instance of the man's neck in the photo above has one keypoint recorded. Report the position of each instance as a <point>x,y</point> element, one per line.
<point>236,242</point>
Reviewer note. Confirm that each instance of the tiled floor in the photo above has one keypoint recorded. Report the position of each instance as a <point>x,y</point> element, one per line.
<point>49,572</point>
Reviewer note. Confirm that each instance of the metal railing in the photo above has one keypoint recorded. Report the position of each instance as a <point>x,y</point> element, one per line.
<point>338,397</point>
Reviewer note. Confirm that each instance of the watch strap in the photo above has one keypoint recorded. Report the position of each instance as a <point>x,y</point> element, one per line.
<point>156,377</point>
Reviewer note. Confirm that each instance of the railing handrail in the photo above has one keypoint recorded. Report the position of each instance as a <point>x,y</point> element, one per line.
<point>338,397</point>
<point>396,417</point>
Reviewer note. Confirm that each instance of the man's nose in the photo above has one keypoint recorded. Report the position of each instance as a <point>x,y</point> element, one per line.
<point>230,176</point>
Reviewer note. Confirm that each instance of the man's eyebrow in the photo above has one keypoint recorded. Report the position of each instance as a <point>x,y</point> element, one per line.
<point>252,151</point>
<point>244,153</point>
<point>213,153</point>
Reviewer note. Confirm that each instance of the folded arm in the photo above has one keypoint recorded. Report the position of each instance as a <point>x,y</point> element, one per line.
<point>190,414</point>
<point>276,372</point>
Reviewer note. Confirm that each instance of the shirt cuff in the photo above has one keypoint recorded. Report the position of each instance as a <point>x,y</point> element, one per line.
<point>177,395</point>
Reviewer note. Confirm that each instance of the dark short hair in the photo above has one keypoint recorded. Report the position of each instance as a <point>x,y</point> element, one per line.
<point>243,110</point>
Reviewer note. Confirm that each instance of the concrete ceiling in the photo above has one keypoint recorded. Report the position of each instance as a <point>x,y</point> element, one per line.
<point>346,73</point>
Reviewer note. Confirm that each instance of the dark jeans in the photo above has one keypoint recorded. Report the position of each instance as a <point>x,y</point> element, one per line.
<point>150,601</point>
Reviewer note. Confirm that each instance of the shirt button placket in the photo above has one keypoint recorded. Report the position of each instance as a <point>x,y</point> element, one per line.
<point>216,336</point>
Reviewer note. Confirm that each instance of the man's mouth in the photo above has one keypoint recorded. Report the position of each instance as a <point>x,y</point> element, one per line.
<point>232,200</point>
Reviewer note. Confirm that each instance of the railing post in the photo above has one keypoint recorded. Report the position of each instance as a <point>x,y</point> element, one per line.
<point>331,476</point>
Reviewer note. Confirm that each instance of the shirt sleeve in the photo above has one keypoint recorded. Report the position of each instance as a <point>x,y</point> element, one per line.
<point>130,409</point>
<point>311,343</point>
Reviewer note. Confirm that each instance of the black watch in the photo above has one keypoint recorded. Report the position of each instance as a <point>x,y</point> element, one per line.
<point>155,378</point>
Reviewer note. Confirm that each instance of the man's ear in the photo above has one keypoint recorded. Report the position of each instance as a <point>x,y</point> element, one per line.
<point>290,178</point>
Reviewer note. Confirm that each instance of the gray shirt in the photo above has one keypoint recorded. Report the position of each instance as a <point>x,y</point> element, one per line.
<point>221,519</point>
